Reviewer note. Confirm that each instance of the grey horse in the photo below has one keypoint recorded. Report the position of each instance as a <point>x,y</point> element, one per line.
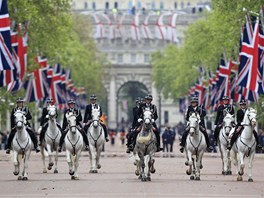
<point>145,148</point>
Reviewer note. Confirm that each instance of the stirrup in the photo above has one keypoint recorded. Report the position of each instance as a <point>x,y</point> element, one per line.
<point>59,149</point>
<point>181,149</point>
<point>128,150</point>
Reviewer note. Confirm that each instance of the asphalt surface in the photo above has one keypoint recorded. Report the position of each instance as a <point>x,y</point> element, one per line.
<point>116,178</point>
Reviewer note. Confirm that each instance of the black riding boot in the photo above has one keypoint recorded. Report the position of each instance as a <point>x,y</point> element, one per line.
<point>9,140</point>
<point>129,141</point>
<point>216,134</point>
<point>33,138</point>
<point>257,140</point>
<point>206,139</point>
<point>233,139</point>
<point>85,139</point>
<point>62,140</point>
<point>183,140</point>
<point>105,132</point>
<point>42,133</point>
<point>156,131</point>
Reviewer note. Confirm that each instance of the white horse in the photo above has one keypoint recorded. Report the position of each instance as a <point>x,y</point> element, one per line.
<point>145,148</point>
<point>21,146</point>
<point>51,140</point>
<point>96,138</point>
<point>194,148</point>
<point>245,145</point>
<point>73,144</point>
<point>223,141</point>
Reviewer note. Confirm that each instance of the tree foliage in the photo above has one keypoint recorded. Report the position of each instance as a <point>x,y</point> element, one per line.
<point>205,40</point>
<point>54,32</point>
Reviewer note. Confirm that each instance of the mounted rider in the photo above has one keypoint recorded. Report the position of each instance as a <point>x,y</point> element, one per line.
<point>25,110</point>
<point>226,106</point>
<point>131,137</point>
<point>239,127</point>
<point>65,129</point>
<point>88,115</point>
<point>44,123</point>
<point>149,106</point>
<point>195,108</point>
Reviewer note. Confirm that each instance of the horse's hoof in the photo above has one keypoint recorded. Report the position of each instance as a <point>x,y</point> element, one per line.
<point>192,177</point>
<point>45,171</point>
<point>224,173</point>
<point>229,172</point>
<point>239,178</point>
<point>24,178</point>
<point>197,178</point>
<point>19,177</point>
<point>188,172</point>
<point>143,179</point>
<point>139,177</point>
<point>71,172</point>
<point>186,163</point>
<point>51,164</point>
<point>137,172</point>
<point>250,180</point>
<point>153,170</point>
<point>148,179</point>
<point>74,178</point>
<point>99,166</point>
<point>56,171</point>
<point>49,167</point>
<point>15,173</point>
<point>95,171</point>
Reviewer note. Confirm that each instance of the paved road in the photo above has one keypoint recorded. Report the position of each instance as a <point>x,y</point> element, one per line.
<point>117,179</point>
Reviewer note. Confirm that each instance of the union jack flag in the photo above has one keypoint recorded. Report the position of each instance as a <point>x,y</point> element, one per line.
<point>6,62</point>
<point>248,72</point>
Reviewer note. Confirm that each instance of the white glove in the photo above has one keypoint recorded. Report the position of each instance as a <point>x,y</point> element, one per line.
<point>39,130</point>
<point>215,126</point>
<point>152,120</point>
<point>47,116</point>
<point>140,119</point>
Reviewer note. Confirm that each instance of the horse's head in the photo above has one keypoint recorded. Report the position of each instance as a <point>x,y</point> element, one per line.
<point>96,116</point>
<point>20,119</point>
<point>194,121</point>
<point>147,118</point>
<point>228,123</point>
<point>71,120</point>
<point>251,114</point>
<point>52,111</point>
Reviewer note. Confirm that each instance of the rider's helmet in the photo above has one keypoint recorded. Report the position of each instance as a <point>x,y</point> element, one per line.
<point>225,98</point>
<point>194,98</point>
<point>93,97</point>
<point>19,99</point>
<point>71,101</point>
<point>148,97</point>
<point>138,100</point>
<point>50,101</point>
<point>242,102</point>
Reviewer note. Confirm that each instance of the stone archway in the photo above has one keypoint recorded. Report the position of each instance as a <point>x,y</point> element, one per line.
<point>126,97</point>
<point>118,75</point>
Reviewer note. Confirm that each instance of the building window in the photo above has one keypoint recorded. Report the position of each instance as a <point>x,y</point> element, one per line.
<point>166,117</point>
<point>153,6</point>
<point>139,5</point>
<point>133,58</point>
<point>116,5</point>
<point>130,5</point>
<point>175,5</point>
<point>161,5</point>
<point>188,4</point>
<point>85,5</point>
<point>107,5</point>
<point>182,5</point>
<point>146,58</point>
<point>94,6</point>
<point>120,58</point>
